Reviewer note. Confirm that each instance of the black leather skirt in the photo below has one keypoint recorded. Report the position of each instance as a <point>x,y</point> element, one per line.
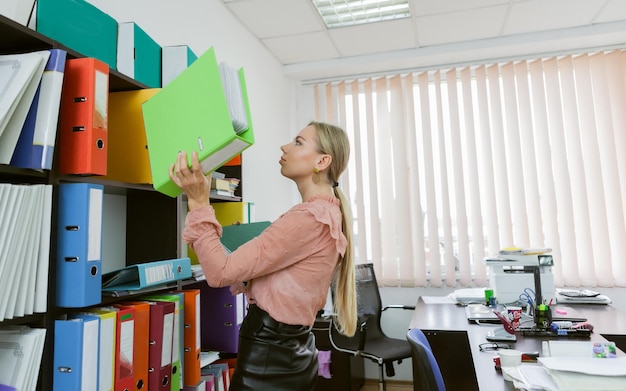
<point>273,355</point>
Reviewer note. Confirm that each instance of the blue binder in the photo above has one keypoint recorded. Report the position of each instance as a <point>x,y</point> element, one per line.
<point>79,245</point>
<point>136,277</point>
<point>76,353</point>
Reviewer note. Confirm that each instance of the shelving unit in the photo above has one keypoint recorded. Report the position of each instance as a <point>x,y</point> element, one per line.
<point>152,219</point>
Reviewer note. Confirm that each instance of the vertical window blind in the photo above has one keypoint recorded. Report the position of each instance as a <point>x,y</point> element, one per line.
<point>449,166</point>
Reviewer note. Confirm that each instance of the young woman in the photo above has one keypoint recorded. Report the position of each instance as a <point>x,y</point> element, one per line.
<point>287,270</point>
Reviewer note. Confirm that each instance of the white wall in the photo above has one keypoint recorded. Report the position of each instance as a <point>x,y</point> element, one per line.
<point>202,24</point>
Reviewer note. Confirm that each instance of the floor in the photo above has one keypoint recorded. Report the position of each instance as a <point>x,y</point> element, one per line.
<point>372,385</point>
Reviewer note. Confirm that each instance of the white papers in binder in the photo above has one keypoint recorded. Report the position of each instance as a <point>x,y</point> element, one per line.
<point>234,97</point>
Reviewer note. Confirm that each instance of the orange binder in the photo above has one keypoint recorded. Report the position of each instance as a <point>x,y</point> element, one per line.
<point>83,117</point>
<point>124,347</point>
<point>191,374</point>
<point>128,159</point>
<point>141,342</point>
<point>161,336</point>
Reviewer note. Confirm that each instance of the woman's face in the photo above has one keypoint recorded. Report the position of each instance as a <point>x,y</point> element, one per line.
<point>300,155</point>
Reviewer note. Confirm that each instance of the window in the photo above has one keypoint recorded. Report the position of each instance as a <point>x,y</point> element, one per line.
<point>449,166</point>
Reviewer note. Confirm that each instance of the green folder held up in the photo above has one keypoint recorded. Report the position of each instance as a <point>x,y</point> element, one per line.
<point>191,114</point>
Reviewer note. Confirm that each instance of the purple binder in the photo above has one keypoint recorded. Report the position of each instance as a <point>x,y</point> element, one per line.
<point>221,314</point>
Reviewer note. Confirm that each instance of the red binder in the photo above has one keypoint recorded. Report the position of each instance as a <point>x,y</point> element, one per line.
<point>191,343</point>
<point>83,117</point>
<point>161,344</point>
<point>124,346</point>
<point>141,342</point>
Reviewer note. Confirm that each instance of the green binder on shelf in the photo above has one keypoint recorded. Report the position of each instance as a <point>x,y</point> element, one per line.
<point>138,55</point>
<point>191,114</point>
<point>235,235</point>
<point>80,26</point>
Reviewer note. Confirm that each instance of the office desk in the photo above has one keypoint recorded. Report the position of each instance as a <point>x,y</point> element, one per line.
<point>455,342</point>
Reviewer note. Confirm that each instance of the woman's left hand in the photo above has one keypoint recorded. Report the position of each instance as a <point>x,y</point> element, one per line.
<point>191,180</point>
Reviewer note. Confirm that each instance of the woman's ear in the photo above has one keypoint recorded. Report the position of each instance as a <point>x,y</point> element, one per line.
<point>324,162</point>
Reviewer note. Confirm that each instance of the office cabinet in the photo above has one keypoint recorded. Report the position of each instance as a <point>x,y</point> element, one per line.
<point>149,222</point>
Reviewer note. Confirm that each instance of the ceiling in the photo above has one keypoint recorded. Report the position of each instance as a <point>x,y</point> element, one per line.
<point>442,30</point>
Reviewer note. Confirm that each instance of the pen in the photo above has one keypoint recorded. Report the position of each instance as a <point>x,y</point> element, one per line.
<point>550,303</point>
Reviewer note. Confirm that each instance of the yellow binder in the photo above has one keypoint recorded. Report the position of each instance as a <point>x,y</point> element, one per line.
<point>128,159</point>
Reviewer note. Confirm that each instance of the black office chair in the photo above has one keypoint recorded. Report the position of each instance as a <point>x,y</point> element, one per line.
<point>370,341</point>
<point>426,373</point>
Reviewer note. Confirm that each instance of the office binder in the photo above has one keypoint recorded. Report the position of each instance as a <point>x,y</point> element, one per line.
<point>79,245</point>
<point>178,334</point>
<point>218,377</point>
<point>107,346</point>
<point>35,146</point>
<point>18,10</point>
<point>191,337</point>
<point>21,350</point>
<point>124,348</point>
<point>234,236</point>
<point>138,55</point>
<point>139,276</point>
<point>127,159</point>
<point>25,84</point>
<point>221,316</point>
<point>231,213</point>
<point>80,26</point>
<point>161,343</point>
<point>83,118</point>
<point>141,342</point>
<point>76,354</point>
<point>191,114</point>
<point>175,60</point>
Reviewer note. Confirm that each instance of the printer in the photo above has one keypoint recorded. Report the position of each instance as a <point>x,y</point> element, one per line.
<point>511,272</point>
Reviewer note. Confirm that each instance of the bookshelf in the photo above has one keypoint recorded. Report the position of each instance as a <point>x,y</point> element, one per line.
<point>152,220</point>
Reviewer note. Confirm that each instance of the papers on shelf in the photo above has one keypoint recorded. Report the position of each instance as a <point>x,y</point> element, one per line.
<point>588,365</point>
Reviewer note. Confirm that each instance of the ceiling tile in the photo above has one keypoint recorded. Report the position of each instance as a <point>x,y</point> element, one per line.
<point>460,26</point>
<point>302,48</point>
<point>541,15</point>
<point>422,7</point>
<point>273,18</point>
<point>613,11</point>
<point>374,37</point>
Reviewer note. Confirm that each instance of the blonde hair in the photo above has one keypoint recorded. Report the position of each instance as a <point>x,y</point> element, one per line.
<point>334,142</point>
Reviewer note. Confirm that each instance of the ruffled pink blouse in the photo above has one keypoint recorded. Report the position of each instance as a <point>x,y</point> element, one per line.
<point>288,268</point>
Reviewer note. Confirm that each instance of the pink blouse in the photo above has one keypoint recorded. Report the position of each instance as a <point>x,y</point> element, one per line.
<point>289,267</point>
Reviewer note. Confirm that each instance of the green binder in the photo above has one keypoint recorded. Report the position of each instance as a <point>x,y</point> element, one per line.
<point>235,235</point>
<point>138,55</point>
<point>81,27</point>
<point>191,114</point>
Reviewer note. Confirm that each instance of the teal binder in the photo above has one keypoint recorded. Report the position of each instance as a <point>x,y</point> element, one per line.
<point>235,235</point>
<point>175,59</point>
<point>143,275</point>
<point>138,55</point>
<point>191,114</point>
<point>80,26</point>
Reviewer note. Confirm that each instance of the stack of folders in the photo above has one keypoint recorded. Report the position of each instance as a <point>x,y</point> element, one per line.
<point>29,107</point>
<point>151,342</point>
<point>25,220</point>
<point>21,350</point>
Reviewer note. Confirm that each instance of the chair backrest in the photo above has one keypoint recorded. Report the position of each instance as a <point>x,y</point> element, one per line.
<point>369,302</point>
<point>426,372</point>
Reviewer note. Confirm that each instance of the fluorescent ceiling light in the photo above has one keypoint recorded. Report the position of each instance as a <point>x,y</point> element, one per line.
<point>341,13</point>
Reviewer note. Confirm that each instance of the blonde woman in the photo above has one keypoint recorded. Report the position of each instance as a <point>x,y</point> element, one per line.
<point>287,270</point>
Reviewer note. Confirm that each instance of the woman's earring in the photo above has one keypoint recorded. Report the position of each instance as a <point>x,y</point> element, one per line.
<point>315,170</point>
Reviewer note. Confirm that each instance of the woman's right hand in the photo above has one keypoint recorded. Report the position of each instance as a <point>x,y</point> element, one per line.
<point>191,180</point>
